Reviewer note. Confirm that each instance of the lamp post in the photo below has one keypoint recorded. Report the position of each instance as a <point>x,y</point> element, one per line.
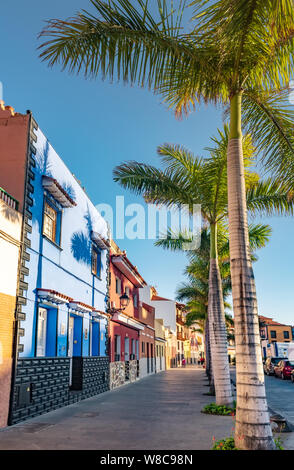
<point>124,301</point>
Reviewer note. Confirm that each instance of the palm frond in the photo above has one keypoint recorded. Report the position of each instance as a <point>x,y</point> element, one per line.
<point>268,197</point>
<point>119,40</point>
<point>269,119</point>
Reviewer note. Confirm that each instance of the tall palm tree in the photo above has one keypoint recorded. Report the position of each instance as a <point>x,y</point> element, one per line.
<point>195,291</point>
<point>237,54</point>
<point>190,180</point>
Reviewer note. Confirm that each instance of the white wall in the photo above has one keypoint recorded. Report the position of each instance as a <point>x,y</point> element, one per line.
<point>165,309</point>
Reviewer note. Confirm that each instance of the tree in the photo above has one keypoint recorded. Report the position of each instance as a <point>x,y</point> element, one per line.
<point>237,53</point>
<point>189,180</point>
<point>195,291</point>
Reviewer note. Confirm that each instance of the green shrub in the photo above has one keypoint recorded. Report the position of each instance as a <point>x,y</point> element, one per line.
<point>278,443</point>
<point>229,444</point>
<point>225,444</point>
<point>214,409</point>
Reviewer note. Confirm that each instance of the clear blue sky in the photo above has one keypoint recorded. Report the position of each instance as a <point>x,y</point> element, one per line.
<point>94,126</point>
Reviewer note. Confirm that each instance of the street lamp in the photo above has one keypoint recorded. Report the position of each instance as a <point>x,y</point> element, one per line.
<point>124,301</point>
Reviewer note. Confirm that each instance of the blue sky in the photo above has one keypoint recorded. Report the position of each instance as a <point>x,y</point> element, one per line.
<point>95,125</point>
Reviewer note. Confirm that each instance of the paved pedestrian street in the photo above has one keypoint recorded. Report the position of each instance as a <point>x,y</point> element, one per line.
<point>162,411</point>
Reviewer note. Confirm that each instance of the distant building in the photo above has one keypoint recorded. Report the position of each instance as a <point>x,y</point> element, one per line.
<point>126,329</point>
<point>165,310</point>
<point>160,346</point>
<point>273,332</point>
<point>183,340</point>
<point>10,244</point>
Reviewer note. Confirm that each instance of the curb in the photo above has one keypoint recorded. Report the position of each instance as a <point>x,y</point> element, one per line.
<point>282,424</point>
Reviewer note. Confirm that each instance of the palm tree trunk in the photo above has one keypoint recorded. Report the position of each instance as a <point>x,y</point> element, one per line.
<point>208,362</point>
<point>253,430</point>
<point>217,328</point>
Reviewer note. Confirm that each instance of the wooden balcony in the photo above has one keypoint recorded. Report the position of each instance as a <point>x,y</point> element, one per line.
<point>9,200</point>
<point>180,320</point>
<point>182,337</point>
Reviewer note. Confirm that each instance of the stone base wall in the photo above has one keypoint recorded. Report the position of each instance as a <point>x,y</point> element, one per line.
<point>117,374</point>
<point>42,384</point>
<point>133,371</point>
<point>123,372</point>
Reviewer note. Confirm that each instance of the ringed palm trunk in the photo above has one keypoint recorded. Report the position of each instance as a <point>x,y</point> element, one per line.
<point>217,328</point>
<point>253,430</point>
<point>208,362</point>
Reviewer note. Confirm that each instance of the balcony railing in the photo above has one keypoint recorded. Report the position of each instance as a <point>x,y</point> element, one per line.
<point>182,336</point>
<point>180,320</point>
<point>9,200</point>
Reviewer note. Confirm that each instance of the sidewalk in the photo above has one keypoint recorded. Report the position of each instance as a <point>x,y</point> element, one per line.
<point>162,411</point>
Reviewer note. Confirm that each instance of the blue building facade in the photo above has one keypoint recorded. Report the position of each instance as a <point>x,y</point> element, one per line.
<point>63,328</point>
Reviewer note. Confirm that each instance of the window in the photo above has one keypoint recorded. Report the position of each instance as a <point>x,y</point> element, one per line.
<point>50,222</point>
<point>143,347</point>
<point>117,347</point>
<point>96,262</point>
<point>42,332</point>
<point>133,355</point>
<point>127,349</point>
<point>137,349</point>
<point>46,337</point>
<point>135,300</point>
<point>127,291</point>
<point>117,285</point>
<point>286,334</point>
<point>273,334</point>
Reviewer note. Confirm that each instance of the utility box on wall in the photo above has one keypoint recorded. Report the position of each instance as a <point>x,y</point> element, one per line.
<point>24,395</point>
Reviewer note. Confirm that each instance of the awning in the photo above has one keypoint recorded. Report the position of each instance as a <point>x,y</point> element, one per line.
<point>56,190</point>
<point>99,314</point>
<point>100,241</point>
<point>124,267</point>
<point>127,320</point>
<point>53,296</point>
<point>80,307</point>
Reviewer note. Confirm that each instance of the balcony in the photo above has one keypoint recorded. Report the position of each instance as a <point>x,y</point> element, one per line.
<point>9,200</point>
<point>180,320</point>
<point>182,336</point>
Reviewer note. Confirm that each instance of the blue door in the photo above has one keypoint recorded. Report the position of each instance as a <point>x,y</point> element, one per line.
<point>95,338</point>
<point>77,336</point>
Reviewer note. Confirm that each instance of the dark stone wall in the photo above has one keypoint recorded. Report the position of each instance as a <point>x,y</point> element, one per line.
<point>42,384</point>
<point>90,375</point>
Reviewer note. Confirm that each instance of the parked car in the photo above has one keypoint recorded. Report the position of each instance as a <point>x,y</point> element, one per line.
<point>270,363</point>
<point>284,369</point>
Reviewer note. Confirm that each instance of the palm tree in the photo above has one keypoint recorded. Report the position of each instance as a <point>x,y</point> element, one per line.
<point>195,291</point>
<point>237,54</point>
<point>190,180</point>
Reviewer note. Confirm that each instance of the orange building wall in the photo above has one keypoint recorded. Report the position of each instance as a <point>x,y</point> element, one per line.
<point>13,150</point>
<point>7,307</point>
<point>114,297</point>
<point>279,332</point>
